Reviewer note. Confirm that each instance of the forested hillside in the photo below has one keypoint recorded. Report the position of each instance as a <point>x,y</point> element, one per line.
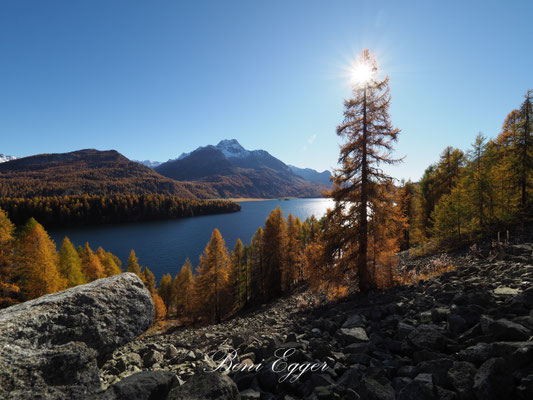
<point>89,172</point>
<point>94,210</point>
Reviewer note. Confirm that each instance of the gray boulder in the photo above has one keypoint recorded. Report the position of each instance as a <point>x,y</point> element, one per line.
<point>206,385</point>
<point>53,345</point>
<point>144,385</point>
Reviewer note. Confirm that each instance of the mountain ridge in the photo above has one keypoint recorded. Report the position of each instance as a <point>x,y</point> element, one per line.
<point>88,171</point>
<point>6,158</point>
<point>236,172</point>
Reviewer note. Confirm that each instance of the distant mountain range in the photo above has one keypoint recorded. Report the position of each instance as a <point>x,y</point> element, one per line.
<point>149,163</point>
<point>221,171</point>
<point>4,158</point>
<point>312,175</point>
<point>234,171</point>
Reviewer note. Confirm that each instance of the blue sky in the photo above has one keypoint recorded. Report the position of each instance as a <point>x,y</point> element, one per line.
<point>155,79</point>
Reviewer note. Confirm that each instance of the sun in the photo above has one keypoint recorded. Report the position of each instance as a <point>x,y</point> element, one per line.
<point>361,74</point>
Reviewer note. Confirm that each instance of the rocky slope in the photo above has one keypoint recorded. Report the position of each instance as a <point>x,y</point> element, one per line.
<point>466,334</point>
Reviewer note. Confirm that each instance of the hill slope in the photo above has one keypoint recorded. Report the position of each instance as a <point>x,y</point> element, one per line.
<point>236,172</point>
<point>88,172</point>
<point>465,334</point>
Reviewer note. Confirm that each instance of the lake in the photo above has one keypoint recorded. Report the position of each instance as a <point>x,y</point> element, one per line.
<point>163,246</point>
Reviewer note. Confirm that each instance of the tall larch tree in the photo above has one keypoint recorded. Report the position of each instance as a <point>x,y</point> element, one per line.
<point>9,292</point>
<point>165,290</point>
<point>368,143</point>
<point>183,290</point>
<point>238,275</point>
<point>212,297</point>
<point>110,262</point>
<point>91,265</point>
<point>148,279</point>
<point>479,182</point>
<point>70,265</point>
<point>37,260</point>
<point>292,268</point>
<point>274,252</point>
<point>133,264</point>
<point>257,266</point>
<point>406,203</point>
<point>525,149</point>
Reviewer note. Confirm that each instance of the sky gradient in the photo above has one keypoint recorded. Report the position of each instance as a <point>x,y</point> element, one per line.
<point>155,79</point>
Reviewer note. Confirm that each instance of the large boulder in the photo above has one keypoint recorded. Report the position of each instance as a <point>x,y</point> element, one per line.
<point>206,385</point>
<point>52,346</point>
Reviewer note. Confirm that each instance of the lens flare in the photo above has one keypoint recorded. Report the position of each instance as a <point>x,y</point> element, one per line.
<point>361,74</point>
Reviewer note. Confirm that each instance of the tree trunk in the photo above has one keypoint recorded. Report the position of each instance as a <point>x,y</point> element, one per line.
<point>524,157</point>
<point>363,273</point>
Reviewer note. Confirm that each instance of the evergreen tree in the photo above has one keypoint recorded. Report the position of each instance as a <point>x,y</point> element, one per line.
<point>6,247</point>
<point>109,261</point>
<point>160,309</point>
<point>9,292</point>
<point>238,275</point>
<point>406,204</point>
<point>369,136</point>
<point>274,252</point>
<point>70,265</point>
<point>148,279</point>
<point>211,289</point>
<point>478,181</point>
<point>37,260</point>
<point>292,268</point>
<point>165,290</point>
<point>257,266</point>
<point>452,214</point>
<point>91,265</point>
<point>525,149</point>
<point>183,290</point>
<point>133,264</point>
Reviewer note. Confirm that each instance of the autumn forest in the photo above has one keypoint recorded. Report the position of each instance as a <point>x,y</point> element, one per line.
<point>467,194</point>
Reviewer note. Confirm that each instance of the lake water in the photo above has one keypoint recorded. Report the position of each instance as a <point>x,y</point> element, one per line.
<point>163,246</point>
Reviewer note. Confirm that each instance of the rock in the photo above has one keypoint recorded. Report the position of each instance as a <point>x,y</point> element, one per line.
<point>355,321</point>
<point>456,324</point>
<point>404,329</point>
<point>171,352</point>
<point>477,354</point>
<point>127,361</point>
<point>493,380</point>
<point>51,345</point>
<point>421,388</point>
<point>250,394</point>
<point>371,389</point>
<point>144,385</point>
<point>324,393</point>
<point>461,378</point>
<point>353,335</point>
<point>409,371</point>
<point>152,357</point>
<point>427,339</point>
<point>504,329</point>
<point>206,386</point>
<point>438,369</point>
<point>439,314</point>
<point>236,341</point>
<point>507,291</point>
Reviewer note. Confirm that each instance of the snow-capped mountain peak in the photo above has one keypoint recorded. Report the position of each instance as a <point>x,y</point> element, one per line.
<point>4,158</point>
<point>232,149</point>
<point>149,163</point>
